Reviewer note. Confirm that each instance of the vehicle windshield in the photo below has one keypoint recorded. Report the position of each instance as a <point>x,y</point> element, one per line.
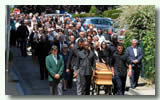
<point>83,20</point>
<point>101,21</point>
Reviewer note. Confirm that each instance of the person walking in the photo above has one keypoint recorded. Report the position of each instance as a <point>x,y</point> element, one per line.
<point>120,64</point>
<point>72,59</point>
<point>135,55</point>
<point>85,67</point>
<point>23,33</point>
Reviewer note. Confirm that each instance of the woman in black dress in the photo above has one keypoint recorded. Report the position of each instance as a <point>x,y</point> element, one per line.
<point>104,53</point>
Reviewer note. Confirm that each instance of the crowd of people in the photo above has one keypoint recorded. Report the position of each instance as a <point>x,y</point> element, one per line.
<point>67,50</point>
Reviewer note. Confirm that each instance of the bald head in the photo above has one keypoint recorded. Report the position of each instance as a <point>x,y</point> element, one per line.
<point>86,45</point>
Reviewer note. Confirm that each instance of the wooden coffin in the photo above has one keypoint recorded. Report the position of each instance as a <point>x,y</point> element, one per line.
<point>103,74</point>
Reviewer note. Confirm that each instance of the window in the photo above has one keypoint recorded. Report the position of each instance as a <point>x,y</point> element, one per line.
<point>83,20</point>
<point>100,21</point>
<point>94,21</point>
<point>106,22</point>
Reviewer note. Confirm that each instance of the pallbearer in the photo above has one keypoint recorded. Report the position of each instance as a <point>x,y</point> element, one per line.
<point>120,64</point>
<point>86,65</point>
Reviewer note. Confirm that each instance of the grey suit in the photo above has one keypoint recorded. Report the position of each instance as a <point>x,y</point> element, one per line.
<point>72,59</point>
<point>85,64</point>
<point>135,67</point>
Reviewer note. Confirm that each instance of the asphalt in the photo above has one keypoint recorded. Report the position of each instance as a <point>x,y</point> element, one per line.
<point>27,75</point>
<point>24,79</point>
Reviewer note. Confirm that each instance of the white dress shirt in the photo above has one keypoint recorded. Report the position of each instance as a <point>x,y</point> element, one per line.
<point>96,52</point>
<point>135,51</point>
<point>55,58</point>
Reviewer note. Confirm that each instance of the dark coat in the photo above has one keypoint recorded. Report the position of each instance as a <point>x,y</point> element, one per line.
<point>105,55</point>
<point>22,32</point>
<point>120,63</point>
<point>72,59</point>
<point>43,49</point>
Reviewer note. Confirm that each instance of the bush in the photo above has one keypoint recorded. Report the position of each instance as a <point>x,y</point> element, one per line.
<point>142,22</point>
<point>11,10</point>
<point>84,15</point>
<point>114,14</point>
<point>93,13</point>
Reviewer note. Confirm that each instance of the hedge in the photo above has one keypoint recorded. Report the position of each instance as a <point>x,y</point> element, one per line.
<point>114,14</point>
<point>84,15</point>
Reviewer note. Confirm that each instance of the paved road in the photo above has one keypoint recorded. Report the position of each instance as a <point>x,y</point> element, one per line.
<point>29,76</point>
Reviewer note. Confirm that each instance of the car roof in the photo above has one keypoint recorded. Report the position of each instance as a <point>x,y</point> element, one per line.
<point>96,18</point>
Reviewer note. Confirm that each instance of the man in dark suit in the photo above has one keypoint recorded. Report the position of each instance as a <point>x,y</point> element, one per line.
<point>59,42</point>
<point>23,33</point>
<point>135,55</point>
<point>72,59</point>
<point>43,49</point>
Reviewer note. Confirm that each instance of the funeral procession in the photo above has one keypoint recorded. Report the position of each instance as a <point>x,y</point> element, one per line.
<point>80,50</point>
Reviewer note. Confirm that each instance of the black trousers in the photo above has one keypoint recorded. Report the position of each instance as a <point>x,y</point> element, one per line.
<point>135,76</point>
<point>87,84</point>
<point>13,37</point>
<point>43,69</point>
<point>23,47</point>
<point>70,80</point>
<point>120,84</point>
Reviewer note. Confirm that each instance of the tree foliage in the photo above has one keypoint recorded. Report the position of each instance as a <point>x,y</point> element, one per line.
<point>112,13</point>
<point>93,10</point>
<point>84,15</point>
<point>141,22</point>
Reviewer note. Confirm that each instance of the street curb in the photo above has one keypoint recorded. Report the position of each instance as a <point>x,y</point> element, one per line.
<point>133,91</point>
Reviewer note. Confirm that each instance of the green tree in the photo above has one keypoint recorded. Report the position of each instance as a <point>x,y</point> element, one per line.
<point>112,13</point>
<point>94,10</point>
<point>141,22</point>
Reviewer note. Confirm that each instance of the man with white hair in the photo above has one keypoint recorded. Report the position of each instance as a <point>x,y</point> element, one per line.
<point>135,55</point>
